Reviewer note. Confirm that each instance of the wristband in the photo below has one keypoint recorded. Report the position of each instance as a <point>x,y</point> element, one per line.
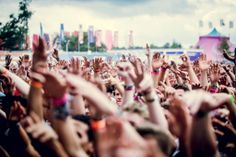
<point>231,100</point>
<point>128,87</point>
<point>36,84</point>
<point>60,101</point>
<point>151,97</point>
<point>150,100</point>
<point>96,125</point>
<point>156,71</point>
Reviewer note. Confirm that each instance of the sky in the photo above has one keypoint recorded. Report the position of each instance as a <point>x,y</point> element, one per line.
<point>152,21</point>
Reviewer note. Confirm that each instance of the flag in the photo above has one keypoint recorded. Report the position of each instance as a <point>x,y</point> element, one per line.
<point>35,39</point>
<point>75,33</point>
<point>231,24</point>
<point>27,42</point>
<point>66,34</point>
<point>210,25</point>
<point>109,40</point>
<point>61,33</point>
<point>90,35</point>
<point>200,24</point>
<point>81,34</point>
<point>41,30</point>
<point>98,38</point>
<point>222,23</point>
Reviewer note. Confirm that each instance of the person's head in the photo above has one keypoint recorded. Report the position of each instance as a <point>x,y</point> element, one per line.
<point>180,88</point>
<point>156,56</point>
<point>172,78</point>
<point>118,97</point>
<point>157,139</point>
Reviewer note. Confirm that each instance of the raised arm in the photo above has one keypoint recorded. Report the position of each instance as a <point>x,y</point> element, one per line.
<point>39,64</point>
<point>128,97</point>
<point>201,134</point>
<point>20,84</point>
<point>191,73</point>
<point>92,93</point>
<point>227,56</point>
<point>204,66</point>
<point>55,88</point>
<point>143,82</point>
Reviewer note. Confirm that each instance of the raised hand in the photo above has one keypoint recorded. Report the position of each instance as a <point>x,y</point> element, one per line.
<point>8,60</point>
<point>147,50</point>
<point>214,72</point>
<point>75,66</point>
<point>97,62</point>
<point>17,111</point>
<point>86,62</point>
<point>199,100</point>
<point>141,79</point>
<point>124,68</point>
<point>39,56</point>
<point>186,61</point>
<point>55,54</point>
<point>203,63</point>
<point>38,129</point>
<point>54,85</point>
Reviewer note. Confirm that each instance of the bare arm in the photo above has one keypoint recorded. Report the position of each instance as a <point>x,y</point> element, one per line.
<point>20,84</point>
<point>202,137</point>
<point>227,56</point>
<point>92,93</point>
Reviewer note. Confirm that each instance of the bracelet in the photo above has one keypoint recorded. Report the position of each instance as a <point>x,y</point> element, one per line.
<point>155,73</point>
<point>100,124</point>
<point>150,100</point>
<point>201,114</point>
<point>61,112</point>
<point>231,100</point>
<point>128,87</point>
<point>36,84</point>
<point>60,101</point>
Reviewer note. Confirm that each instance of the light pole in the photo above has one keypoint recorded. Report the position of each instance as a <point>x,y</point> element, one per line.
<point>67,44</point>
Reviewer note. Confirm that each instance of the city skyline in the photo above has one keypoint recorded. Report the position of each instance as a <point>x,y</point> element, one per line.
<point>152,21</point>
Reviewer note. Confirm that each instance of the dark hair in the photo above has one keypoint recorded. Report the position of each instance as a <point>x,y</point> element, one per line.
<point>181,86</point>
<point>165,142</point>
<point>26,56</point>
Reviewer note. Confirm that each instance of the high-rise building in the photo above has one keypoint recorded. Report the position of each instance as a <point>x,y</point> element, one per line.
<point>98,36</point>
<point>109,43</point>
<point>115,39</point>
<point>131,39</point>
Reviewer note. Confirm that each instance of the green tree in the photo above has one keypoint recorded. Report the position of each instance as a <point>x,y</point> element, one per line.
<point>13,33</point>
<point>152,46</point>
<point>73,44</point>
<point>175,45</point>
<point>166,45</point>
<point>224,45</point>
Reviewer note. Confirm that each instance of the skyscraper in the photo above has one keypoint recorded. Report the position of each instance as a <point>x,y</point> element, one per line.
<point>115,41</point>
<point>131,39</point>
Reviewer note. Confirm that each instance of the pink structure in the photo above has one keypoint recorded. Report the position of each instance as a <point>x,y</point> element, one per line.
<point>210,44</point>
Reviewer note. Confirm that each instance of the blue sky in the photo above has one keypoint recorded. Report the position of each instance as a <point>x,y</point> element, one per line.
<point>153,21</point>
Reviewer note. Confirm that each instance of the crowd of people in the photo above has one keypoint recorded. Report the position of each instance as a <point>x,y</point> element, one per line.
<point>105,108</point>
